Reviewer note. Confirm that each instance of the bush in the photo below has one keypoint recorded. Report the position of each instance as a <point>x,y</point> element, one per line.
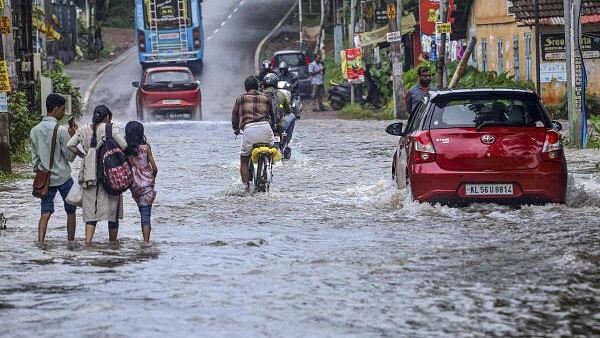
<point>61,83</point>
<point>356,111</point>
<point>21,120</point>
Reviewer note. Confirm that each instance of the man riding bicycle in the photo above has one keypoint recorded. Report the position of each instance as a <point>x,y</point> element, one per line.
<point>285,120</point>
<point>252,114</point>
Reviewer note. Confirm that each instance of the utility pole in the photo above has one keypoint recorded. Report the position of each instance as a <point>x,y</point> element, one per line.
<point>5,165</point>
<point>394,11</point>
<point>538,78</point>
<point>300,21</point>
<point>351,39</point>
<point>442,80</point>
<point>575,104</point>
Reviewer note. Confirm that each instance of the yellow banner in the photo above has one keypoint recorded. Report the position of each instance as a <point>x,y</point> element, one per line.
<point>4,25</point>
<point>4,79</point>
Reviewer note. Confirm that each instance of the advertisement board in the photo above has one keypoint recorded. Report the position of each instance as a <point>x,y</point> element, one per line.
<point>429,12</point>
<point>354,68</point>
<point>553,46</point>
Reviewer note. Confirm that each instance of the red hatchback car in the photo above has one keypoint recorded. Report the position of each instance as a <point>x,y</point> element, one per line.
<point>480,145</point>
<point>168,92</point>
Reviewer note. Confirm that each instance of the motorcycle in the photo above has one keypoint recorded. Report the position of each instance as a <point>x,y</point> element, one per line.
<point>290,119</point>
<point>339,95</point>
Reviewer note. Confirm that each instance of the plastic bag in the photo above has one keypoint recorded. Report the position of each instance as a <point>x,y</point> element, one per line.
<point>75,195</point>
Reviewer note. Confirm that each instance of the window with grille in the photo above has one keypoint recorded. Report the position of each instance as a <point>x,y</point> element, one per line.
<point>516,57</point>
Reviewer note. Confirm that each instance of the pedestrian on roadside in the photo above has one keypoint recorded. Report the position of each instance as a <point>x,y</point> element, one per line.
<point>97,203</point>
<point>143,166</point>
<point>416,93</point>
<point>42,137</point>
<point>98,43</point>
<point>316,69</point>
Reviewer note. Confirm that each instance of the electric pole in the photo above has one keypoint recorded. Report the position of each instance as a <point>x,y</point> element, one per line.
<point>442,79</point>
<point>394,11</point>
<point>5,165</point>
<point>351,39</point>
<point>300,22</point>
<point>538,78</point>
<point>575,104</point>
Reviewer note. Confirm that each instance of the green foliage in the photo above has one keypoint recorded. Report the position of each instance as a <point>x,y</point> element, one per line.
<point>120,14</point>
<point>472,78</point>
<point>356,111</point>
<point>61,83</point>
<point>21,120</point>
<point>333,71</point>
<point>85,39</point>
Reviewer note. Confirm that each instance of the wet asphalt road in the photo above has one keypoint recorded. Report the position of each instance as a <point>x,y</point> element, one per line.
<point>333,251</point>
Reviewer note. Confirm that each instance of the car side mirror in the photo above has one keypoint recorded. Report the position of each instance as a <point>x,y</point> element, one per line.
<point>135,83</point>
<point>557,126</point>
<point>395,129</point>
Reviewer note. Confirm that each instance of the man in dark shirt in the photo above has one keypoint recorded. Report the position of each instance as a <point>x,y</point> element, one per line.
<point>416,93</point>
<point>252,114</point>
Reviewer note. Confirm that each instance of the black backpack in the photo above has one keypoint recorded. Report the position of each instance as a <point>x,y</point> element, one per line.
<point>112,168</point>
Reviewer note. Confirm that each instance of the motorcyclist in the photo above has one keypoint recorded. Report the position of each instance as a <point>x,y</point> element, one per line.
<point>285,119</point>
<point>290,77</point>
<point>265,68</point>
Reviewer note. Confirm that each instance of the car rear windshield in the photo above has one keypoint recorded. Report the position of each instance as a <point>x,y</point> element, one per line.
<point>497,110</point>
<point>169,77</point>
<point>293,60</point>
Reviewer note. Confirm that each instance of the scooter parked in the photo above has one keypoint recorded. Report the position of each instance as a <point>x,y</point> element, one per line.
<point>339,95</point>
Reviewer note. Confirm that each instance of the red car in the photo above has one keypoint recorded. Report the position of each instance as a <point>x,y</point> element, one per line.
<point>168,92</point>
<point>486,145</point>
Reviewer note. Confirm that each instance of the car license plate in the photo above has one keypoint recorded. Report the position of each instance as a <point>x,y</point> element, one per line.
<point>171,101</point>
<point>168,36</point>
<point>276,139</point>
<point>489,189</point>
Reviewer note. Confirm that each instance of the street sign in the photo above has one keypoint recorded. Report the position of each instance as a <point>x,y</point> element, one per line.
<point>391,11</point>
<point>394,37</point>
<point>369,12</point>
<point>443,27</point>
<point>3,103</point>
<point>4,79</point>
<point>381,16</point>
<point>4,25</point>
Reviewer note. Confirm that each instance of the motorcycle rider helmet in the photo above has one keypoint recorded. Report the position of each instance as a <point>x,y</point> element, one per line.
<point>283,67</point>
<point>271,80</point>
<point>266,64</point>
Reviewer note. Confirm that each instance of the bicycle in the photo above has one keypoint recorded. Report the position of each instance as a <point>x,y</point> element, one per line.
<point>263,156</point>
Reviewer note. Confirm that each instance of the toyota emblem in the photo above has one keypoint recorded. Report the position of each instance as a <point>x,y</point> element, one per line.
<point>488,139</point>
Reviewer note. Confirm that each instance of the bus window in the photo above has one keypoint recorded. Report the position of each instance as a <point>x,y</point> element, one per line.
<point>167,13</point>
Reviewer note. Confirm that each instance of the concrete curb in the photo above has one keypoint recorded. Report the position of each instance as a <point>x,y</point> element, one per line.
<point>99,74</point>
<point>268,36</point>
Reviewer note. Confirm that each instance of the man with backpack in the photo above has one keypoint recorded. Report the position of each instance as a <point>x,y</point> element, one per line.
<point>285,120</point>
<point>104,172</point>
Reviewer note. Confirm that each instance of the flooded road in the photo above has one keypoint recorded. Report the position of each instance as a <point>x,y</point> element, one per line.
<point>334,250</point>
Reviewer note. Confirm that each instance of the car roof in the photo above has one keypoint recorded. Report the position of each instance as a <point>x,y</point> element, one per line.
<point>168,69</point>
<point>288,51</point>
<point>451,92</point>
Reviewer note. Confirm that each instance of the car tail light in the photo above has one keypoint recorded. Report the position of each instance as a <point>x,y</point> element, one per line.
<point>552,150</point>
<point>142,41</point>
<point>424,150</point>
<point>306,59</point>
<point>273,63</point>
<point>196,35</point>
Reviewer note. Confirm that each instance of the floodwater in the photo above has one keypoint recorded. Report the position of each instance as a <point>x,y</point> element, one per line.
<point>333,250</point>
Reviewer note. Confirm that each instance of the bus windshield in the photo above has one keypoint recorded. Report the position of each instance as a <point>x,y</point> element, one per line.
<point>167,13</point>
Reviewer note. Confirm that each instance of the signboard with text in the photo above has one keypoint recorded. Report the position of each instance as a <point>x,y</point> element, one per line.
<point>354,69</point>
<point>4,79</point>
<point>4,25</point>
<point>553,46</point>
<point>429,12</point>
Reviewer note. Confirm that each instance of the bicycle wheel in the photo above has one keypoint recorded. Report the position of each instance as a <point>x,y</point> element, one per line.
<point>259,182</point>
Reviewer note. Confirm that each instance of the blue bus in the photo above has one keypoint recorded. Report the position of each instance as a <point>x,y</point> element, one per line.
<point>169,32</point>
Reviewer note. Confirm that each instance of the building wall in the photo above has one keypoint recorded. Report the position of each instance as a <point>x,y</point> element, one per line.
<point>490,23</point>
<point>555,91</point>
